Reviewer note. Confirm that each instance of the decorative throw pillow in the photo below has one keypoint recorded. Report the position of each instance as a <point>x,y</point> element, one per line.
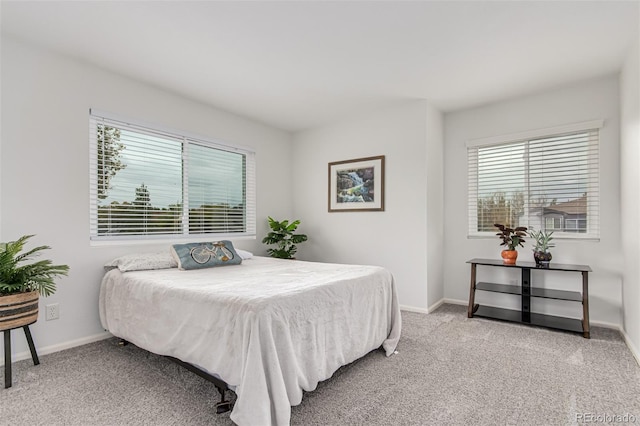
<point>205,255</point>
<point>142,261</point>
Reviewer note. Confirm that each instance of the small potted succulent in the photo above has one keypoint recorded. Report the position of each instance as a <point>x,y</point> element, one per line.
<point>511,238</point>
<point>542,244</point>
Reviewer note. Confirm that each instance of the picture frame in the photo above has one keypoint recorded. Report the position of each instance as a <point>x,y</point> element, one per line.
<point>357,185</point>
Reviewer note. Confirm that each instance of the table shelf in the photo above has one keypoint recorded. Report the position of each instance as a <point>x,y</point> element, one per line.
<point>540,320</point>
<point>546,293</point>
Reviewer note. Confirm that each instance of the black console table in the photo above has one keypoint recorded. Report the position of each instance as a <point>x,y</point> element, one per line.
<point>526,291</point>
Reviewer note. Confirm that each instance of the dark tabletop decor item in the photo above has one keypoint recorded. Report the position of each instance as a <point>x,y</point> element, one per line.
<point>541,246</point>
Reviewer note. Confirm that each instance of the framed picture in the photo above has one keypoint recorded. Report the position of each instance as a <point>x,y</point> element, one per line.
<point>357,185</point>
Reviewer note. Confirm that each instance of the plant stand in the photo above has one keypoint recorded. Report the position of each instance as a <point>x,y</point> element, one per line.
<point>7,353</point>
<point>18,311</point>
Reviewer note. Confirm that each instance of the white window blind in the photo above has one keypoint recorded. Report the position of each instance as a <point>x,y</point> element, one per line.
<point>151,183</point>
<point>547,182</point>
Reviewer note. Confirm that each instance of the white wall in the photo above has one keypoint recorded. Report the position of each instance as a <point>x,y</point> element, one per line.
<point>630,194</point>
<point>395,238</point>
<point>596,99</point>
<point>45,171</point>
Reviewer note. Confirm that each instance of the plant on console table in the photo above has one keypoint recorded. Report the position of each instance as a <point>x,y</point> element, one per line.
<point>542,244</point>
<point>511,239</point>
<point>283,235</point>
<point>22,283</point>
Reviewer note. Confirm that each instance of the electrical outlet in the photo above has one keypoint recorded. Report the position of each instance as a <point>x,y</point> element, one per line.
<point>53,311</point>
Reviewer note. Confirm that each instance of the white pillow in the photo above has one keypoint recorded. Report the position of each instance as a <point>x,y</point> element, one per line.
<point>244,254</point>
<point>143,261</point>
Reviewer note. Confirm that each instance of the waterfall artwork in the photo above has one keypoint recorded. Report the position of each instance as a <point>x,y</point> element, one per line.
<point>357,185</point>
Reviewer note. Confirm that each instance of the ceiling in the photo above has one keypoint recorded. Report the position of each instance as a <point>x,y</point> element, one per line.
<point>301,64</point>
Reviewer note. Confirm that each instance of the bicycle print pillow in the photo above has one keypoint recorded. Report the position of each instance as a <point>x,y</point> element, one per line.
<point>205,255</point>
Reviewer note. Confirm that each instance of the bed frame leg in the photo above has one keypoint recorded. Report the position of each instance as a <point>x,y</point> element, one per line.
<point>221,407</point>
<point>224,405</point>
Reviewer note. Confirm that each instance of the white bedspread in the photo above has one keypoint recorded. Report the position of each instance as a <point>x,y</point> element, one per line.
<point>271,328</point>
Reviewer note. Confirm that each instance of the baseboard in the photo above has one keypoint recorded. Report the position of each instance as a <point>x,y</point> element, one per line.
<point>625,337</point>
<point>435,306</point>
<point>59,347</point>
<point>456,302</point>
<point>605,325</point>
<point>630,345</point>
<point>414,309</point>
<point>432,307</point>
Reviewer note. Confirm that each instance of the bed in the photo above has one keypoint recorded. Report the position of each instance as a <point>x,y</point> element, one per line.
<point>270,328</point>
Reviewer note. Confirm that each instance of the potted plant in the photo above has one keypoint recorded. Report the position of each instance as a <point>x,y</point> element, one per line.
<point>511,238</point>
<point>22,283</point>
<point>542,244</point>
<point>282,234</point>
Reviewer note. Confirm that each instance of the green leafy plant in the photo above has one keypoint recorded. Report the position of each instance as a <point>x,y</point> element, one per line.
<point>282,234</point>
<point>16,276</point>
<point>510,237</point>
<point>542,240</point>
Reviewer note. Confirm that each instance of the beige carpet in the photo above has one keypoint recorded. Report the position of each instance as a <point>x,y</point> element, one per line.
<point>450,370</point>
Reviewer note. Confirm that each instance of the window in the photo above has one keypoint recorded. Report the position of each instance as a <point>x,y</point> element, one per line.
<point>553,223</point>
<point>155,184</point>
<point>545,180</point>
